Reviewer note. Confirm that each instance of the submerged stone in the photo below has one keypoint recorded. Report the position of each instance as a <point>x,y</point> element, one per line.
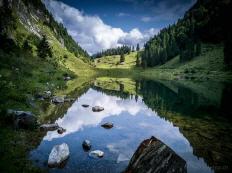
<point>85,105</point>
<point>96,154</point>
<point>107,125</point>
<point>58,155</point>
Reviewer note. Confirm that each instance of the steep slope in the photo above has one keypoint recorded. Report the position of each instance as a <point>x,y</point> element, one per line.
<point>23,73</point>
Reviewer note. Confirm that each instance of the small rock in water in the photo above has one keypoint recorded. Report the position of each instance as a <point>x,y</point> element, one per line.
<point>49,127</point>
<point>97,109</point>
<point>107,125</point>
<point>96,154</point>
<point>58,99</point>
<point>86,145</point>
<point>85,105</point>
<point>58,155</point>
<point>61,130</point>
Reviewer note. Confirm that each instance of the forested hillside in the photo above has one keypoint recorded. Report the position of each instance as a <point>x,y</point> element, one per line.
<point>205,22</point>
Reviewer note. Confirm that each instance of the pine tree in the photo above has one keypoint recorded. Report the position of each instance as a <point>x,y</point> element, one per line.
<point>43,48</point>
<point>137,60</point>
<point>26,46</point>
<point>137,47</point>
<point>198,48</point>
<point>122,58</point>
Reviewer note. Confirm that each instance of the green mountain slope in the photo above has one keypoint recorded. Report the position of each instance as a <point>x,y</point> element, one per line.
<point>209,65</point>
<point>205,22</point>
<point>23,73</point>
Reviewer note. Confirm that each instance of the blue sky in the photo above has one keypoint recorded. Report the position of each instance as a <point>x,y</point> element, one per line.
<point>101,24</point>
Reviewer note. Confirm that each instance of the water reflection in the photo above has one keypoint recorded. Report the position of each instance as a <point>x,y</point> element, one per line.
<point>179,116</point>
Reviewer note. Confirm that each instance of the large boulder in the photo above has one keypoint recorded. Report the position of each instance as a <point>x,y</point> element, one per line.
<point>58,155</point>
<point>49,127</point>
<point>96,154</point>
<point>97,109</point>
<point>154,156</point>
<point>22,119</point>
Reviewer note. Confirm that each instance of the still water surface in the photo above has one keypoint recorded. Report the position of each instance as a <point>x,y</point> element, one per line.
<point>136,118</point>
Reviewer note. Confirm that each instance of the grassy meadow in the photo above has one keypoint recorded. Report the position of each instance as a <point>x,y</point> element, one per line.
<point>208,66</point>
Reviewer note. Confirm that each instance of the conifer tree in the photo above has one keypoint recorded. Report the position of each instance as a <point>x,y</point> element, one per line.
<point>43,48</point>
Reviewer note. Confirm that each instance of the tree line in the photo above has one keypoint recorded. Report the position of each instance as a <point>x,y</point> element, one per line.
<point>121,50</point>
<point>205,22</point>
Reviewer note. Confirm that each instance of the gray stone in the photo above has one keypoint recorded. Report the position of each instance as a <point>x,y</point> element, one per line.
<point>58,155</point>
<point>47,94</point>
<point>49,127</point>
<point>85,105</point>
<point>107,125</point>
<point>61,130</point>
<point>96,154</point>
<point>86,145</point>
<point>97,109</point>
<point>22,119</point>
<point>58,99</point>
<point>67,78</point>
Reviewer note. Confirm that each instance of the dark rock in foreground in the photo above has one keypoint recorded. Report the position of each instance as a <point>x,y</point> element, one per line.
<point>107,125</point>
<point>97,109</point>
<point>22,119</point>
<point>154,156</point>
<point>86,145</point>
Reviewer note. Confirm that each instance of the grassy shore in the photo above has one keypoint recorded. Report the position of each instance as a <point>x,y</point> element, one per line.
<point>208,66</point>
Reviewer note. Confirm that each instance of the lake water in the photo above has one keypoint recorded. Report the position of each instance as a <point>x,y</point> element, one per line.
<point>192,119</point>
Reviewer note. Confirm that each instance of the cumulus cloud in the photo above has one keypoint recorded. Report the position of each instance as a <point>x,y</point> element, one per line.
<point>78,117</point>
<point>91,32</point>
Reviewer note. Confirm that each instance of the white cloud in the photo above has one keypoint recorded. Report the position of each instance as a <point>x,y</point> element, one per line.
<point>146,19</point>
<point>121,14</point>
<point>91,32</point>
<point>78,117</point>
